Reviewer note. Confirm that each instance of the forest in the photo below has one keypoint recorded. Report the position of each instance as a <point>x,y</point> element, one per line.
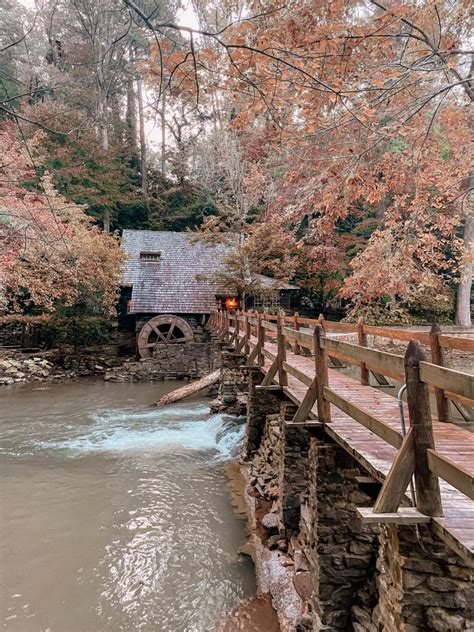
<point>329,141</point>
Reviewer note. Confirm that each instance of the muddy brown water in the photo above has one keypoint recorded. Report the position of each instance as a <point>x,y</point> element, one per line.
<point>116,516</point>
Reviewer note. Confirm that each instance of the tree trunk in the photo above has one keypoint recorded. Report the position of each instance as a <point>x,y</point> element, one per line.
<point>463,304</point>
<point>103,122</point>
<point>189,389</point>
<point>106,220</point>
<point>163,133</point>
<point>143,165</point>
<point>104,143</point>
<point>131,118</point>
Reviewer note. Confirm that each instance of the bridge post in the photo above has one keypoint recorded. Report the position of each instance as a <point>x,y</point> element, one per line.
<point>247,331</point>
<point>260,404</point>
<point>362,339</point>
<point>227,326</point>
<point>293,467</point>
<point>260,340</point>
<point>237,326</point>
<point>428,497</point>
<point>322,378</point>
<point>296,325</point>
<point>281,340</point>
<point>442,404</point>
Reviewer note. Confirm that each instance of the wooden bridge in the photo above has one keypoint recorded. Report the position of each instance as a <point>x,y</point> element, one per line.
<point>295,355</point>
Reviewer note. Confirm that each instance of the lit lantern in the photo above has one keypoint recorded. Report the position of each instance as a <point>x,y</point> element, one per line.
<point>231,302</point>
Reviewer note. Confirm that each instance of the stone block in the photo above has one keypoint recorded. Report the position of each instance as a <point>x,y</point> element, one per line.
<point>445,584</point>
<point>413,580</point>
<point>358,561</point>
<point>443,620</point>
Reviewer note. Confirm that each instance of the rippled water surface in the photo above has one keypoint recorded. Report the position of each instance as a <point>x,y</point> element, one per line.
<point>116,516</point>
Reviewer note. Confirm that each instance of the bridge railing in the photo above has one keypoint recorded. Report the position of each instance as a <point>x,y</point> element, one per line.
<point>434,340</point>
<point>417,456</point>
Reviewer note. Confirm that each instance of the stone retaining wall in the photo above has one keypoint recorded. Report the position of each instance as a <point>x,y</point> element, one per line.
<point>349,576</point>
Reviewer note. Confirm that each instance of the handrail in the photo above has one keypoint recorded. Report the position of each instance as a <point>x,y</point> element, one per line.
<point>380,361</point>
<point>450,380</point>
<point>456,342</point>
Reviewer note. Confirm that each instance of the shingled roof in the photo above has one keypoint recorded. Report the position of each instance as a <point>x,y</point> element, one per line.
<point>174,283</point>
<point>172,274</point>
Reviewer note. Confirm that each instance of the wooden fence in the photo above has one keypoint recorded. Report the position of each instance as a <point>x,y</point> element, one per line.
<point>267,339</point>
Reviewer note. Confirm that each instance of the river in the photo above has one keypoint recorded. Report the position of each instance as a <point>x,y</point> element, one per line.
<point>116,516</point>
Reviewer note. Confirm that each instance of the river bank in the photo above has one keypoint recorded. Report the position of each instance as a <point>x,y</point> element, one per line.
<point>67,364</point>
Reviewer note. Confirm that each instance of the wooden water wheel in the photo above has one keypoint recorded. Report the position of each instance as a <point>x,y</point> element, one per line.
<point>165,329</point>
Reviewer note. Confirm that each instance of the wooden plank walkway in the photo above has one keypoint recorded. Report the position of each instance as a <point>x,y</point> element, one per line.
<point>456,528</point>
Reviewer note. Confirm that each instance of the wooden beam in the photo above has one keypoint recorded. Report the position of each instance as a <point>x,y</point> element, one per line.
<point>241,344</point>
<point>456,342</point>
<point>281,341</point>
<point>296,325</point>
<point>405,515</point>
<point>375,425</point>
<point>428,497</point>
<point>451,473</point>
<point>448,379</point>
<point>362,339</point>
<point>266,324</point>
<point>253,354</point>
<point>380,379</point>
<point>322,377</point>
<point>299,375</point>
<point>268,354</point>
<point>304,339</point>
<point>381,361</point>
<point>367,480</point>
<point>466,412</point>
<point>307,404</point>
<point>442,404</point>
<point>260,340</point>
<point>400,474</point>
<point>398,334</point>
<point>336,363</point>
<point>270,374</point>
<point>248,333</point>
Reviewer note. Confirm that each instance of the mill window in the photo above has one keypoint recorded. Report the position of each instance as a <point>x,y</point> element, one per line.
<point>150,256</point>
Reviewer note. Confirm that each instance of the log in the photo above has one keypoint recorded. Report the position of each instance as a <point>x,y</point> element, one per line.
<point>188,390</point>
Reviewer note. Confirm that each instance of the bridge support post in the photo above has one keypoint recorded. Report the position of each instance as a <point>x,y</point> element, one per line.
<point>233,385</point>
<point>422,584</point>
<point>296,326</point>
<point>322,376</point>
<point>362,339</point>
<point>428,497</point>
<point>442,404</point>
<point>260,340</point>
<point>340,552</point>
<point>281,340</point>
<point>260,403</point>
<point>293,475</point>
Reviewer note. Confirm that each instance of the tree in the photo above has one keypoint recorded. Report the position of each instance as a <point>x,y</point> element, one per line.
<point>350,87</point>
<point>52,255</point>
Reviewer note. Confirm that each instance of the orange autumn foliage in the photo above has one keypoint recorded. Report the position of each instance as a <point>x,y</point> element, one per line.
<point>51,253</point>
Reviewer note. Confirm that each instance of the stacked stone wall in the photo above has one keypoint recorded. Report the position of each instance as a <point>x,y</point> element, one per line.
<point>260,404</point>
<point>293,468</point>
<point>349,575</point>
<point>423,585</point>
<point>232,393</point>
<point>340,551</point>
